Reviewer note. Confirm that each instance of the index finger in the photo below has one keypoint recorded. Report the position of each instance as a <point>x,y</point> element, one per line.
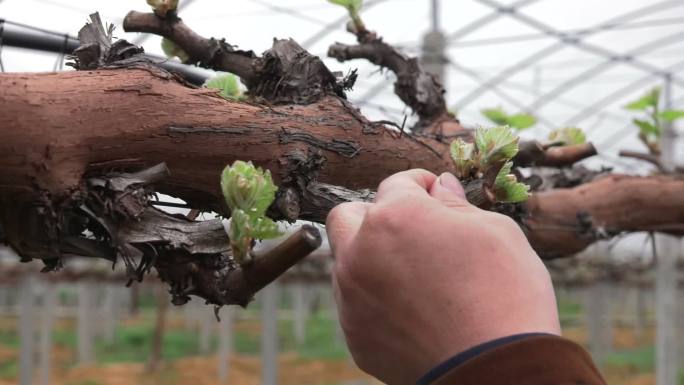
<point>415,182</point>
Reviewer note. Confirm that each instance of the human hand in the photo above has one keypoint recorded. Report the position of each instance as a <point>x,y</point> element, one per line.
<point>421,275</point>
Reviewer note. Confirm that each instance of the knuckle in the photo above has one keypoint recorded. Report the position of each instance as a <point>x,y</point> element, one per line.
<point>501,220</point>
<point>383,217</point>
<point>385,182</point>
<point>395,217</point>
<point>335,214</point>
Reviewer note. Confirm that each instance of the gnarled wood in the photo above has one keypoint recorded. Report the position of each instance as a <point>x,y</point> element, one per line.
<point>59,128</point>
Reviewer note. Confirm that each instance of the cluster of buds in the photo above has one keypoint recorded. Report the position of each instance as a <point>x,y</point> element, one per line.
<point>248,192</point>
<point>489,157</point>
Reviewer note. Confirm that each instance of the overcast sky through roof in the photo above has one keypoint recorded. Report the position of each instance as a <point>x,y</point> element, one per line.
<point>498,56</point>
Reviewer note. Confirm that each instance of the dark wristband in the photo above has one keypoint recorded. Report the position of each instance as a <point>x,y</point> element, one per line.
<point>464,356</point>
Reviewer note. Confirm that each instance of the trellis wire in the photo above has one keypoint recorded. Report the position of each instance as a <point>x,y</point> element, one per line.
<point>2,29</point>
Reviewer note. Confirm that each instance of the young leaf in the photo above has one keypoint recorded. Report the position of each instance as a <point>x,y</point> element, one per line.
<point>650,99</point>
<point>227,84</point>
<point>171,50</point>
<point>496,115</point>
<point>521,121</point>
<point>264,228</point>
<point>507,188</point>
<point>568,135</point>
<point>462,155</point>
<point>500,117</point>
<point>495,144</point>
<point>515,192</point>
<point>647,128</point>
<point>671,115</point>
<point>351,5</point>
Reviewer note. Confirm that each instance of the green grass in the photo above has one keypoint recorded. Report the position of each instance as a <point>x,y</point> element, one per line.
<point>320,341</point>
<point>133,343</point>
<point>9,338</point>
<point>65,338</point>
<point>568,311</point>
<point>8,370</point>
<point>642,358</point>
<point>568,308</point>
<point>85,382</point>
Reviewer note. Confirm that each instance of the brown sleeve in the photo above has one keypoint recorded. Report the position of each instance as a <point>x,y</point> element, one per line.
<point>539,360</point>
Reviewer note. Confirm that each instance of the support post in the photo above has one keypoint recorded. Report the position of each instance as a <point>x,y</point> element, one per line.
<point>668,249</point>
<point>4,300</point>
<point>110,310</point>
<point>26,331</point>
<point>433,58</point>
<point>641,313</point>
<point>206,323</point>
<point>599,325</point>
<point>300,310</point>
<point>225,343</point>
<point>48,318</point>
<point>269,334</point>
<point>84,324</point>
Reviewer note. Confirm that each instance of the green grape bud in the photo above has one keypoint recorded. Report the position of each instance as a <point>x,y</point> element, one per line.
<point>226,83</point>
<point>171,50</point>
<point>239,233</point>
<point>247,187</point>
<point>462,155</point>
<point>568,135</point>
<point>507,188</point>
<point>495,144</point>
<point>248,192</point>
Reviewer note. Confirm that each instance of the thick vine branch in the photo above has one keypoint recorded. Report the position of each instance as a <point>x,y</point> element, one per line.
<point>564,221</point>
<point>64,129</point>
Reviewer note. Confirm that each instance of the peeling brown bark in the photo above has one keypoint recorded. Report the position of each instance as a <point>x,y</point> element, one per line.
<point>57,127</point>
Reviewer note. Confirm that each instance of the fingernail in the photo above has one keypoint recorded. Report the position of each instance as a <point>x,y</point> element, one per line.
<point>449,182</point>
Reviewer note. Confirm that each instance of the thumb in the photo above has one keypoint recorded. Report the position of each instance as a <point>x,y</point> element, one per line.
<point>448,190</point>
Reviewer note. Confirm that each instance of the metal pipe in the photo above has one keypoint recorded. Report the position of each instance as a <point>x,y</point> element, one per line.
<point>23,36</point>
